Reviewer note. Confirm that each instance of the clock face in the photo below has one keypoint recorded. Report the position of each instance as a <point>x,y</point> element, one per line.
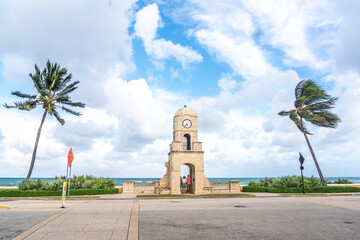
<point>186,123</point>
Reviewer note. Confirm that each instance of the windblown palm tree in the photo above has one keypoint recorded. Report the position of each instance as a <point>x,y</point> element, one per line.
<point>53,87</point>
<point>313,105</point>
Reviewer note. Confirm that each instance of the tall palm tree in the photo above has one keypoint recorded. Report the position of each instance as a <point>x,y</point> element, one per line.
<point>53,85</point>
<point>313,105</point>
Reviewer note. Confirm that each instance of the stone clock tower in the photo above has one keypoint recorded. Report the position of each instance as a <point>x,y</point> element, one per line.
<point>185,150</point>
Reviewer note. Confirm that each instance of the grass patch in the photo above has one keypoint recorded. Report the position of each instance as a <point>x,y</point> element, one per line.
<point>301,194</point>
<point>71,197</point>
<point>52,198</point>
<point>327,189</point>
<point>235,195</point>
<point>42,193</point>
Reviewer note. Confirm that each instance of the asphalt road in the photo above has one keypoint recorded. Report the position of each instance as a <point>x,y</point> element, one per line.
<point>16,216</point>
<point>15,221</point>
<point>252,218</point>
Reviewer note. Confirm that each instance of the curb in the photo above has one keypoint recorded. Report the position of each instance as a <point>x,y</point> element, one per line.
<point>133,232</point>
<point>340,194</point>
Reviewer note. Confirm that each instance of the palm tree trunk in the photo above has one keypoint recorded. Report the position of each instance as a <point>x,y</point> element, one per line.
<point>313,155</point>
<point>36,145</point>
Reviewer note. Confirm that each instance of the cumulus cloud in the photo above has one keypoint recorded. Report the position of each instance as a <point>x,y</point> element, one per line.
<point>126,129</point>
<point>345,52</point>
<point>16,68</point>
<point>148,20</point>
<point>302,30</point>
<point>226,29</point>
<point>87,40</point>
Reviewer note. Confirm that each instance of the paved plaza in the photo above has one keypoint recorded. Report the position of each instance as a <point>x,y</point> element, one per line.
<point>249,218</point>
<point>120,216</point>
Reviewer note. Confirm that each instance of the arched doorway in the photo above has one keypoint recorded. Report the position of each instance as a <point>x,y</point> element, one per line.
<point>188,169</point>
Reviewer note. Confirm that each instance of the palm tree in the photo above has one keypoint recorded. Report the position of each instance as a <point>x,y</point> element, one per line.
<point>313,105</point>
<point>53,87</point>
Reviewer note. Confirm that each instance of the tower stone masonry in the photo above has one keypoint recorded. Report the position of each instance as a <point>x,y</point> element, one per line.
<point>185,150</point>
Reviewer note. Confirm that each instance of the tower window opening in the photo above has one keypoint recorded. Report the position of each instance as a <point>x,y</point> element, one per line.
<point>187,142</point>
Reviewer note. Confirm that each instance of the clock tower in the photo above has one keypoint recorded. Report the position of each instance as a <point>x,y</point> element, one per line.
<point>185,150</point>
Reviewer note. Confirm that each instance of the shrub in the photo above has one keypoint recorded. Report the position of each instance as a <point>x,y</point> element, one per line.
<point>79,182</point>
<point>342,181</point>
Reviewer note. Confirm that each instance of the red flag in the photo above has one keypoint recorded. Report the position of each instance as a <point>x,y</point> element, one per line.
<point>70,157</point>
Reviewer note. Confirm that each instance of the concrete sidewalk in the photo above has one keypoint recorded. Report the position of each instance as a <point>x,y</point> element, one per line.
<point>106,218</point>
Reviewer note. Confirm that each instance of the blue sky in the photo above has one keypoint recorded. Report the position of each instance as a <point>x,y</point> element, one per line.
<point>236,63</point>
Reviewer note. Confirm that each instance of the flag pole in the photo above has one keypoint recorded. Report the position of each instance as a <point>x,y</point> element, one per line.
<point>70,159</point>
<point>67,172</point>
<point>69,182</point>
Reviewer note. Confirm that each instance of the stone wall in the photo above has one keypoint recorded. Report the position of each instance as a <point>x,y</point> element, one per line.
<point>155,188</point>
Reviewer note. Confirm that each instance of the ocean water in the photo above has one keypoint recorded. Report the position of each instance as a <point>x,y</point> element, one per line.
<point>13,182</point>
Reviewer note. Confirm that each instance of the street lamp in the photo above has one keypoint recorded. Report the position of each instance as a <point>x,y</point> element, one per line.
<point>301,160</point>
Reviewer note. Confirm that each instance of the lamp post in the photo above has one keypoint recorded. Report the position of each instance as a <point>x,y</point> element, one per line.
<point>301,160</point>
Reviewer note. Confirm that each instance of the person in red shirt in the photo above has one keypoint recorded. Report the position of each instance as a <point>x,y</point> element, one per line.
<point>188,179</point>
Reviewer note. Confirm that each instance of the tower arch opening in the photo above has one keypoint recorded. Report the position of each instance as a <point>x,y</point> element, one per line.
<point>187,142</point>
<point>188,171</point>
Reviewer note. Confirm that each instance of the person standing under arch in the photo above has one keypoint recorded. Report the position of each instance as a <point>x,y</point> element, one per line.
<point>188,181</point>
<point>184,183</point>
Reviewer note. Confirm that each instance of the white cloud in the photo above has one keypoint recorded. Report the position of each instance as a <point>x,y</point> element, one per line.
<point>345,52</point>
<point>16,68</point>
<point>142,111</point>
<point>126,129</point>
<point>148,20</point>
<point>87,40</point>
<point>297,28</point>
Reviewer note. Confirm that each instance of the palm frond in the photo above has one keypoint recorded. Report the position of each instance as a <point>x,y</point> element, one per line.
<point>315,97</point>
<point>285,113</point>
<point>22,95</point>
<point>64,81</point>
<point>26,105</point>
<point>322,105</point>
<point>305,129</point>
<point>67,79</point>
<point>7,106</point>
<point>71,111</point>
<point>57,116</point>
<point>299,89</point>
<point>294,116</point>
<point>37,79</point>
<point>62,99</point>
<point>74,104</point>
<point>299,102</point>
<point>324,119</point>
<point>49,73</point>
<point>68,89</point>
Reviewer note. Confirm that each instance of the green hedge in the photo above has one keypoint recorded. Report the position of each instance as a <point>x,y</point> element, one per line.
<point>77,182</point>
<point>287,182</point>
<point>328,189</point>
<point>37,193</point>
